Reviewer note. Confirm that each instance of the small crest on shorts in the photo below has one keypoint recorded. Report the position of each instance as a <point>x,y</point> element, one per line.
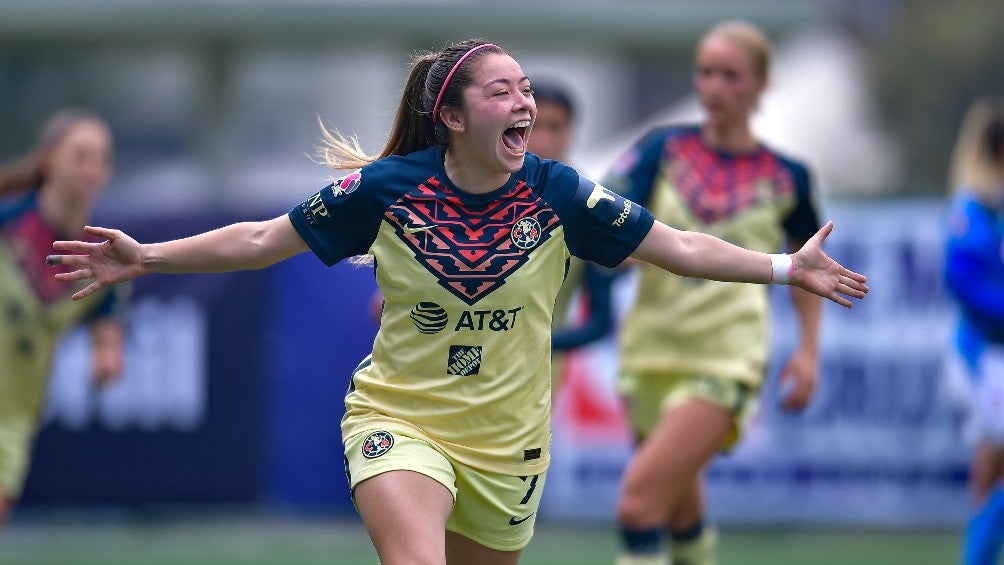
<point>377,443</point>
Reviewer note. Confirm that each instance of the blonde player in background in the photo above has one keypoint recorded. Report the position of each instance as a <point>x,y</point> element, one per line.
<point>447,423</point>
<point>693,352</point>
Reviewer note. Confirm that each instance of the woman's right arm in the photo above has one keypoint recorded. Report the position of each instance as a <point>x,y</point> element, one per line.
<point>119,258</point>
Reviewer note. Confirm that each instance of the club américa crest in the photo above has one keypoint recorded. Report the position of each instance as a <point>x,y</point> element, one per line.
<point>377,443</point>
<point>526,233</point>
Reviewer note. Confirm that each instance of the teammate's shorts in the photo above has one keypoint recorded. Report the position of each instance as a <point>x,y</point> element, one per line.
<point>650,395</point>
<point>980,391</point>
<point>496,511</point>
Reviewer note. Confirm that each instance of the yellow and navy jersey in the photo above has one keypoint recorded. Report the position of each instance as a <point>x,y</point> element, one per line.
<point>469,281</point>
<point>754,200</point>
<point>35,309</point>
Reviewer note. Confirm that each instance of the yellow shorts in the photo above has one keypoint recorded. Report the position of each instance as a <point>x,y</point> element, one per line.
<point>497,511</point>
<point>650,395</point>
<point>15,452</point>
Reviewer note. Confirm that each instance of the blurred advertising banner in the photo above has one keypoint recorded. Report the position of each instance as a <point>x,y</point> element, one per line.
<point>185,422</point>
<point>233,389</point>
<point>879,444</point>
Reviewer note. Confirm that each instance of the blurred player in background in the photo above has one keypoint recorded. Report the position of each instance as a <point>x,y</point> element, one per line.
<point>974,276</point>
<point>552,138</point>
<point>46,196</point>
<point>693,352</point>
<point>447,423</point>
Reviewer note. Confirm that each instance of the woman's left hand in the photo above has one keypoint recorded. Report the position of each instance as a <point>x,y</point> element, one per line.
<point>815,272</point>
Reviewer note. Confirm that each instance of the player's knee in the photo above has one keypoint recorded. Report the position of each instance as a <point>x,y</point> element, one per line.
<point>636,510</point>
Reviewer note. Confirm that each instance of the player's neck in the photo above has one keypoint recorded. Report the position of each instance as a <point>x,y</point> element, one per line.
<point>65,217</point>
<point>471,176</point>
<point>737,138</point>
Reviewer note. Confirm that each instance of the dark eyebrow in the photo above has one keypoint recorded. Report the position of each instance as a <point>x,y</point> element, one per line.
<point>522,79</point>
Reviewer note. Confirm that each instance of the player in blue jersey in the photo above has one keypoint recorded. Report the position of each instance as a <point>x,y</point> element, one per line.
<point>446,428</point>
<point>693,353</point>
<point>974,276</point>
<point>45,196</point>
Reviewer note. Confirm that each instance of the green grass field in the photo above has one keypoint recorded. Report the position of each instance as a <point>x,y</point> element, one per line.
<point>172,538</point>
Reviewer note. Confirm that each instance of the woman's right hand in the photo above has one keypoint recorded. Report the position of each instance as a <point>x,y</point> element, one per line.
<point>118,258</point>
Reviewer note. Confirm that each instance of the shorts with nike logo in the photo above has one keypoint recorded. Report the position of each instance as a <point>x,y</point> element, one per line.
<point>497,511</point>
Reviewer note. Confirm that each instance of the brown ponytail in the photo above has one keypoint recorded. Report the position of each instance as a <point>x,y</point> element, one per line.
<point>24,173</point>
<point>413,128</point>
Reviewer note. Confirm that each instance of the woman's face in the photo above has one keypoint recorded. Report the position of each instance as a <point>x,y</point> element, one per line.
<point>80,164</point>
<point>725,81</point>
<point>498,111</point>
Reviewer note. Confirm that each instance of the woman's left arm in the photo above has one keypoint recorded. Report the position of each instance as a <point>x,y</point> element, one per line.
<point>694,254</point>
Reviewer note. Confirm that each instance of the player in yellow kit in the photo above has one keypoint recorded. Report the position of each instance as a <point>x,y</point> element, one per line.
<point>446,428</point>
<point>46,196</point>
<point>693,353</point>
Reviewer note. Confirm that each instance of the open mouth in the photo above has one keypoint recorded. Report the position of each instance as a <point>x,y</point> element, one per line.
<point>514,138</point>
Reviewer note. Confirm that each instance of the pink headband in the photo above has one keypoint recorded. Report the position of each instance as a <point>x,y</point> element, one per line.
<point>439,98</point>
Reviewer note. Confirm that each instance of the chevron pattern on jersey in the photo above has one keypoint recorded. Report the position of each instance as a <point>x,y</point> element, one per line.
<point>471,248</point>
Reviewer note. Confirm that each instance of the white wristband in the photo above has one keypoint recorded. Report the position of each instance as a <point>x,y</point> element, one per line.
<point>780,268</point>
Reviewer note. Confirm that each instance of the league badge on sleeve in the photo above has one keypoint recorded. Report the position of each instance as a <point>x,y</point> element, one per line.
<point>347,184</point>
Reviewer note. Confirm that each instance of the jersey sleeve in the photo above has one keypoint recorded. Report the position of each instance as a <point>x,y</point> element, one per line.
<point>342,219</point>
<point>802,222</point>
<point>599,224</point>
<point>633,174</point>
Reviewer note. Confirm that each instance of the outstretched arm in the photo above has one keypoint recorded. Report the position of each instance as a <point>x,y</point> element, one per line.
<point>119,258</point>
<point>694,254</point>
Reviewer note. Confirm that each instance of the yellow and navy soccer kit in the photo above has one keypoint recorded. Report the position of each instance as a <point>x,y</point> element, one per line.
<point>35,309</point>
<point>685,326</point>
<point>462,356</point>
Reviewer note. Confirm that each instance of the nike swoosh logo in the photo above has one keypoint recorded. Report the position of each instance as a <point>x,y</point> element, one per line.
<point>416,229</point>
<point>514,522</point>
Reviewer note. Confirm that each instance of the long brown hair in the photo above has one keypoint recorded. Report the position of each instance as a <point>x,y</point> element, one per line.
<point>29,172</point>
<point>414,128</point>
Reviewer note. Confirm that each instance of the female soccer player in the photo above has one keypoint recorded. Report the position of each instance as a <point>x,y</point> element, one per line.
<point>974,276</point>
<point>47,195</point>
<point>446,430</point>
<point>694,352</point>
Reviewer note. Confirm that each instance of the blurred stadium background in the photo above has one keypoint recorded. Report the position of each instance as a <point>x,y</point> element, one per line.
<point>221,443</point>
